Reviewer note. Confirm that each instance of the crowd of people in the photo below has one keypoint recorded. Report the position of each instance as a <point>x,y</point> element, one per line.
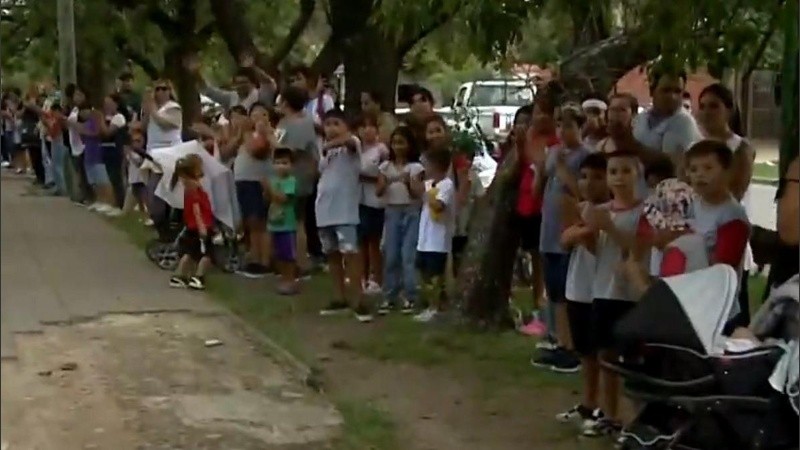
<point>608,200</point>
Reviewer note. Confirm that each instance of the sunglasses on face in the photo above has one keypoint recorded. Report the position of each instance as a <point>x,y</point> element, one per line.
<point>162,88</point>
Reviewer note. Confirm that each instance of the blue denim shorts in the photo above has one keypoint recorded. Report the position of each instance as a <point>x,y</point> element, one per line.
<point>339,239</point>
<point>97,174</point>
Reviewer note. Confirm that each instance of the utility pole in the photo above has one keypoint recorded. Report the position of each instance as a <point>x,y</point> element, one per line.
<point>67,65</point>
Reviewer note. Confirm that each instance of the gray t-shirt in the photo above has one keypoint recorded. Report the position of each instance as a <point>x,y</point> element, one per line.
<point>550,234</point>
<point>298,134</point>
<point>609,283</point>
<point>248,168</point>
<point>339,189</point>
<point>673,134</point>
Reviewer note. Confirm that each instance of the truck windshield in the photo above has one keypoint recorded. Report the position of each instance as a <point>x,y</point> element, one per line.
<point>500,95</point>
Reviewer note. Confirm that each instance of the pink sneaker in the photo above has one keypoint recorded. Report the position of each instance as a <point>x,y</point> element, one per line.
<point>535,328</point>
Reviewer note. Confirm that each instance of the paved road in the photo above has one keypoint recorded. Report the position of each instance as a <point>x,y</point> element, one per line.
<point>62,264</point>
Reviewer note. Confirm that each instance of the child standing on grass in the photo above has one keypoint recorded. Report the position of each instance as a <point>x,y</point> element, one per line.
<point>195,243</point>
<point>581,239</point>
<point>436,228</point>
<point>616,223</point>
<point>336,208</point>
<point>371,209</point>
<point>400,186</point>
<point>560,173</point>
<point>282,223</point>
<point>134,152</point>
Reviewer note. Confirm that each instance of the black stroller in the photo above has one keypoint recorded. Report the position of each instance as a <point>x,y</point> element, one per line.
<point>696,391</point>
<point>168,223</point>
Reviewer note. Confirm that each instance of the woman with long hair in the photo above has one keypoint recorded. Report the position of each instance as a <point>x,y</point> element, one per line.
<point>719,120</point>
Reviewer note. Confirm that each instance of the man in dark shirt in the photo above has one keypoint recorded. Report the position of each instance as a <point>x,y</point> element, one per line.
<point>131,98</point>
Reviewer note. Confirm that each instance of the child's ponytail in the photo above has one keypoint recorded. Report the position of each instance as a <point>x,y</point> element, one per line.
<point>180,168</point>
<point>185,167</point>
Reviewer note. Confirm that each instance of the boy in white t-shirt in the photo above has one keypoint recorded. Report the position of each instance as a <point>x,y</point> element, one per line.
<point>582,241</point>
<point>617,226</point>
<point>436,228</point>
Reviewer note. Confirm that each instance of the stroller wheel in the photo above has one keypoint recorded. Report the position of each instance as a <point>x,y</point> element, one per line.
<point>168,257</point>
<point>153,249</point>
<point>227,258</point>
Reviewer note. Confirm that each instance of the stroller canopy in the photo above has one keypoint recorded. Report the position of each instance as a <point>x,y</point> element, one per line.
<point>688,311</point>
<point>218,181</point>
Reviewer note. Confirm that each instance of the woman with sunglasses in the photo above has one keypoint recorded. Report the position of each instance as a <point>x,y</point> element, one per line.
<point>719,120</point>
<point>162,118</point>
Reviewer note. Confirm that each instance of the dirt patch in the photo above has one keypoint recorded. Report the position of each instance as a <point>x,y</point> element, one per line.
<point>442,408</point>
<point>151,382</point>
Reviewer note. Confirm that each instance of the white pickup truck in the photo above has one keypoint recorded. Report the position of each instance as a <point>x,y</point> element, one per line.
<point>492,104</point>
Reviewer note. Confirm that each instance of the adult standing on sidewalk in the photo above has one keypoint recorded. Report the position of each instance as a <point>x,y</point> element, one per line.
<point>163,120</point>
<point>81,192</point>
<point>30,140</point>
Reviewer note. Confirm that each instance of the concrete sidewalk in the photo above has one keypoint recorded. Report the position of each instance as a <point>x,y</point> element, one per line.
<point>62,264</point>
<point>83,368</point>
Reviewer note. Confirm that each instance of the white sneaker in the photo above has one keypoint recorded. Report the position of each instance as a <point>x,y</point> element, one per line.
<point>103,208</point>
<point>94,206</point>
<point>113,212</point>
<point>372,288</point>
<point>5,164</point>
<point>148,222</point>
<point>426,316</point>
<point>546,345</point>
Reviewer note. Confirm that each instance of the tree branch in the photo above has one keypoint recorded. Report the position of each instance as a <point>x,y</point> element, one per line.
<point>762,46</point>
<point>408,42</point>
<point>169,26</point>
<point>137,57</point>
<point>296,30</point>
<point>234,31</point>
<point>206,31</point>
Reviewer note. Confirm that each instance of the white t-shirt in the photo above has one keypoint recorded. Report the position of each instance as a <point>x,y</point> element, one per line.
<point>436,230</point>
<point>396,193</point>
<point>134,174</point>
<point>75,142</point>
<point>371,159</point>
<point>582,266</point>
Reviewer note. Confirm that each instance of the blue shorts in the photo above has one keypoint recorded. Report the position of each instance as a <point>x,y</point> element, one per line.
<point>283,243</point>
<point>339,239</point>
<point>96,174</point>
<point>555,267</point>
<point>252,203</point>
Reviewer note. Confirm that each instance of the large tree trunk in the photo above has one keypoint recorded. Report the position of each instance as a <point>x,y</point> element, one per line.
<point>484,281</point>
<point>375,70</point>
<point>485,278</point>
<point>183,81</point>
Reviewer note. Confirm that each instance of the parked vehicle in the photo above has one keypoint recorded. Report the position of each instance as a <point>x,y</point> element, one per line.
<point>492,104</point>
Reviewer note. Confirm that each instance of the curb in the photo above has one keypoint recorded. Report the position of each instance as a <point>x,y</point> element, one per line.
<point>765,181</point>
